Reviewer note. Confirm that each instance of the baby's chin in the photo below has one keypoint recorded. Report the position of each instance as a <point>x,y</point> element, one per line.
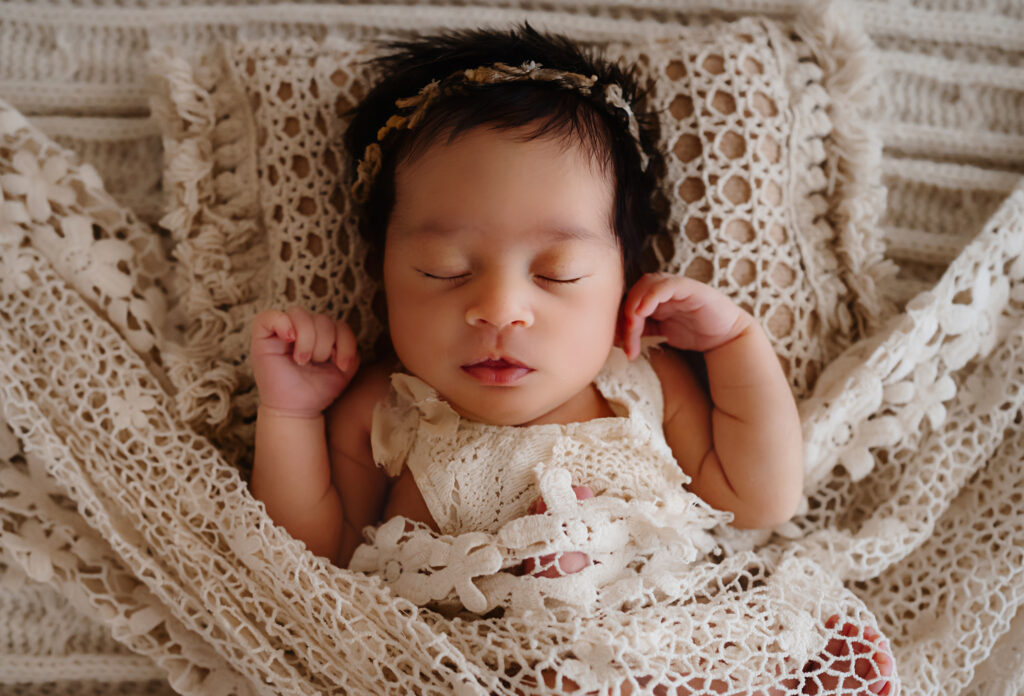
<point>498,414</point>
<point>501,408</point>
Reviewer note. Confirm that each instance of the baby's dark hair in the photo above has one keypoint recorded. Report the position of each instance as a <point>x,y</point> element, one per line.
<point>545,108</point>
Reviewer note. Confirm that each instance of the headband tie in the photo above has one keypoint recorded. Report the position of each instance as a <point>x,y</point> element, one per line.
<point>369,165</point>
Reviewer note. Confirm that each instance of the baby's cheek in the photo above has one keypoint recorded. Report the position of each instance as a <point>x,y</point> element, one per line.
<point>423,329</point>
<point>403,325</point>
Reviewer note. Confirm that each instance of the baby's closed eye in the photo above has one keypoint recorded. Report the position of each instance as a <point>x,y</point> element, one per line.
<point>565,279</point>
<point>553,276</point>
<point>450,276</point>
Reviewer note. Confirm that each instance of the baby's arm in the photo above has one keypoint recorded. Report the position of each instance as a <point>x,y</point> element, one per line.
<point>301,363</point>
<point>743,447</point>
<point>362,486</point>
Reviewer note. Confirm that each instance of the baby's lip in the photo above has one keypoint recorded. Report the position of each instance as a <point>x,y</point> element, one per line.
<point>497,372</point>
<point>498,363</point>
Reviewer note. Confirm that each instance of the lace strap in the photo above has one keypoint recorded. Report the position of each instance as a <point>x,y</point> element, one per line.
<point>410,406</point>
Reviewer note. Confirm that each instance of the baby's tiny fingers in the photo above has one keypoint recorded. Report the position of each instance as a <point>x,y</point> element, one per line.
<point>637,328</point>
<point>583,492</point>
<point>323,345</point>
<point>639,291</point>
<point>658,295</point>
<point>556,565</point>
<point>346,350</point>
<point>305,334</point>
<point>631,329</point>
<point>271,323</point>
<point>572,562</point>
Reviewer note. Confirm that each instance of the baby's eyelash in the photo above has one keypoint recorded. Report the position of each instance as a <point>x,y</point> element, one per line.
<point>463,276</point>
<point>567,281</point>
<point>450,279</point>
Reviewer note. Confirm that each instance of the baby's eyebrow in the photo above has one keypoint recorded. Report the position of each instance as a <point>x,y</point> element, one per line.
<point>573,233</point>
<point>554,232</point>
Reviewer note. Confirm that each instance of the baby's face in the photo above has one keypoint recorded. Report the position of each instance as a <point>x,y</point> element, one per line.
<point>503,275</point>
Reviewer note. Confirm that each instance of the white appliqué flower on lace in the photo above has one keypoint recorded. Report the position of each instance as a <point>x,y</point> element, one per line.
<point>95,261</point>
<point>141,339</point>
<point>131,408</point>
<point>422,566</point>
<point>39,185</point>
<point>12,215</point>
<point>983,391</point>
<point>14,269</point>
<point>14,266</point>
<point>36,550</point>
<point>925,394</point>
<point>856,458</point>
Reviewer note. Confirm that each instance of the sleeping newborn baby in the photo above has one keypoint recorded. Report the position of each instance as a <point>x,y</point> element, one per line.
<point>506,185</point>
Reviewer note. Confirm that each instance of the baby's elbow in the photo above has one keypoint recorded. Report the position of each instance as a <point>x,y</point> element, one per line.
<point>769,513</point>
<point>779,514</point>
<point>759,520</point>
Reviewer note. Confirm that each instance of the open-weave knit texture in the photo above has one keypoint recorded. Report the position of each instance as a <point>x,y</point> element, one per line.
<point>132,552</point>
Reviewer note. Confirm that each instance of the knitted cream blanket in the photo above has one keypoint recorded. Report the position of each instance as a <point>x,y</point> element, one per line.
<point>132,553</point>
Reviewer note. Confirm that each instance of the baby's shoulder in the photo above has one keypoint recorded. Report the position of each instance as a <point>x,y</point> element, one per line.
<point>352,413</point>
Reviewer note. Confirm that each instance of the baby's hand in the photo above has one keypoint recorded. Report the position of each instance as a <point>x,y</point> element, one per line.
<point>690,314</point>
<point>301,361</point>
<point>555,565</point>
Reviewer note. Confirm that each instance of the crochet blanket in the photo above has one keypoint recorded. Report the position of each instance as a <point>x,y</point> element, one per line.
<point>134,557</point>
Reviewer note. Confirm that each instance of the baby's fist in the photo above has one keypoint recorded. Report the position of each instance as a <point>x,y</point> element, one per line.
<point>689,314</point>
<point>301,361</point>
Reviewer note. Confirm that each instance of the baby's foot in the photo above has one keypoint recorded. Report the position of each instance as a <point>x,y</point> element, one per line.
<point>858,662</point>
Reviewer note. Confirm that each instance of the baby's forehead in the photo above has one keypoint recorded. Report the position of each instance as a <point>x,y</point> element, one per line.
<point>549,233</point>
<point>503,178</point>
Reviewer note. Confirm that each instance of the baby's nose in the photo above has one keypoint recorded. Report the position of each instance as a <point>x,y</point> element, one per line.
<point>500,305</point>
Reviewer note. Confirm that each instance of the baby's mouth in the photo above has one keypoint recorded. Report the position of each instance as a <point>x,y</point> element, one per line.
<point>498,363</point>
<point>497,371</point>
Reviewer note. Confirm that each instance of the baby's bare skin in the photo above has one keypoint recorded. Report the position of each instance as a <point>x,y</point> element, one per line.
<point>405,499</point>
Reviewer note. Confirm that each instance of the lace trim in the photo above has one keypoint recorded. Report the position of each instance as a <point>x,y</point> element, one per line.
<point>845,198</point>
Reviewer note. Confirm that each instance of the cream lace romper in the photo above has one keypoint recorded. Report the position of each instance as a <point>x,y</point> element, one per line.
<point>478,477</point>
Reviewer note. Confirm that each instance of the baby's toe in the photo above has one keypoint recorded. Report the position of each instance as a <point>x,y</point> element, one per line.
<point>877,665</point>
<point>862,654</point>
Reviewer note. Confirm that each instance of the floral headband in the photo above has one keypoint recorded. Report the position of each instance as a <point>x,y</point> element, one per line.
<point>370,163</point>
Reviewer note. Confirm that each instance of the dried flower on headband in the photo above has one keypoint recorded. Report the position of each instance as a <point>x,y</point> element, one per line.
<point>416,108</point>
